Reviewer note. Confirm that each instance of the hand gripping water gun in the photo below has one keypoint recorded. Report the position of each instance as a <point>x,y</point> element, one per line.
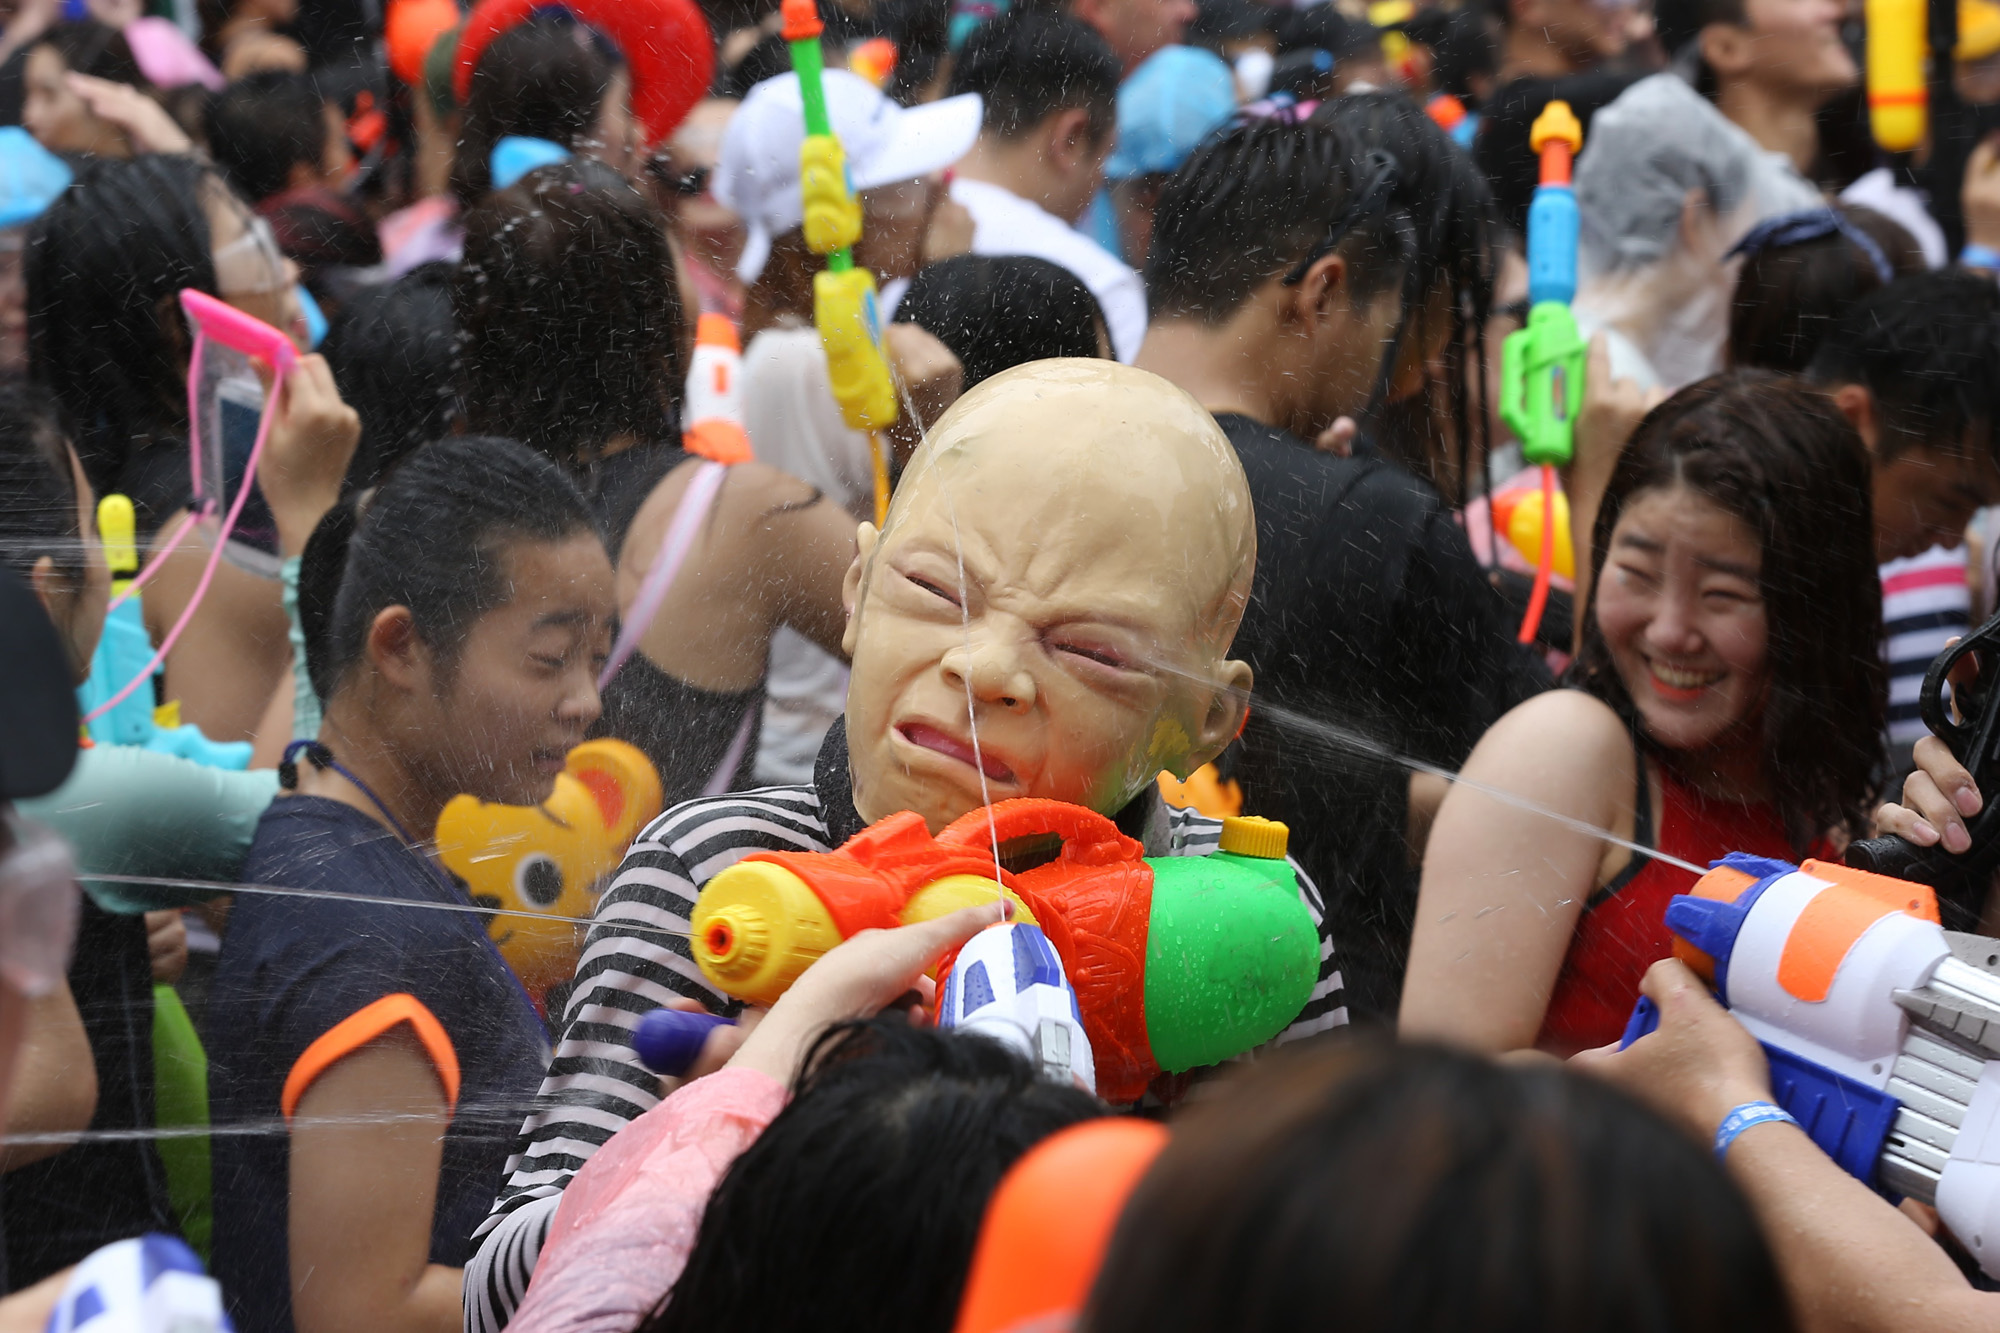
<point>1177,962</point>
<point>125,651</point>
<point>1968,722</point>
<point>843,296</point>
<point>550,858</point>
<point>1542,364</point>
<point>1882,1027</point>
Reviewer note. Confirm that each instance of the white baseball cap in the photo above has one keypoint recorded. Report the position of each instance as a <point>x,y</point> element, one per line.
<point>757,172</point>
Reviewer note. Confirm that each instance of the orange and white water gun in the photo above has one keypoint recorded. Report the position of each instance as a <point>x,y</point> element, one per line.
<point>1882,1028</point>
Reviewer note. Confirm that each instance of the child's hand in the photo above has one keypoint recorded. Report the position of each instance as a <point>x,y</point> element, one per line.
<point>313,436</point>
<point>857,979</point>
<point>929,376</point>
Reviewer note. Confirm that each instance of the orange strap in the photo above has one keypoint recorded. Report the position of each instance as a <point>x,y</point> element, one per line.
<point>350,1034</point>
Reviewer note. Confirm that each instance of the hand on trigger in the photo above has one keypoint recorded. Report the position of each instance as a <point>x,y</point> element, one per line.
<point>1697,1065</point>
<point>1939,795</point>
<point>1612,409</point>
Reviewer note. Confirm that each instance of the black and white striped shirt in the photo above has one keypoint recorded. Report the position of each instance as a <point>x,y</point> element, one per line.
<point>637,957</point>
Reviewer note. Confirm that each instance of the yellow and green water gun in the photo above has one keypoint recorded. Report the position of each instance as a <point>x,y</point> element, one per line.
<point>844,310</point>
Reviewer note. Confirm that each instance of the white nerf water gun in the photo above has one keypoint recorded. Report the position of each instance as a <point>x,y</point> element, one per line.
<point>714,410</point>
<point>1882,1027</point>
<point>149,1284</point>
<point>1008,984</point>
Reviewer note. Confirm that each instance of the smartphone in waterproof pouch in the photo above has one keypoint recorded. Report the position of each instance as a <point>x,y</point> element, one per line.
<point>226,407</point>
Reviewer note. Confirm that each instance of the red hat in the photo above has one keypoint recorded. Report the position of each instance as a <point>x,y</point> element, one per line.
<point>666,44</point>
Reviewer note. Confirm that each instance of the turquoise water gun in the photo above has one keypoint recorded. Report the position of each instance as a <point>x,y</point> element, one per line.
<point>1542,364</point>
<point>125,649</point>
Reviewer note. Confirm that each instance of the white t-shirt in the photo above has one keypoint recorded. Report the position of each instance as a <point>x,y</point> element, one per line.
<point>1006,224</point>
<point>795,426</point>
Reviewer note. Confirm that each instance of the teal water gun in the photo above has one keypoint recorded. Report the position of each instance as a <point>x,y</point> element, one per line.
<point>125,649</point>
<point>1542,364</point>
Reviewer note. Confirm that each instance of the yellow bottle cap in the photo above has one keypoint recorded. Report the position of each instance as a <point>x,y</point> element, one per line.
<point>1249,835</point>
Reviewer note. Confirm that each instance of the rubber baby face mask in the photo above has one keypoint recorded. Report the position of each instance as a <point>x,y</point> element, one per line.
<point>1107,543</point>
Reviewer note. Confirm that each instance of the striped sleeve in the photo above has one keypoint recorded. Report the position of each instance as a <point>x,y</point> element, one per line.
<point>1196,834</point>
<point>635,959</point>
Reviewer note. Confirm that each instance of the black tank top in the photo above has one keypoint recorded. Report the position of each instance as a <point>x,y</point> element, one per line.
<point>686,731</point>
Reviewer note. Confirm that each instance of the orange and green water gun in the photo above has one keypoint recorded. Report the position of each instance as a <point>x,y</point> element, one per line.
<point>844,309</point>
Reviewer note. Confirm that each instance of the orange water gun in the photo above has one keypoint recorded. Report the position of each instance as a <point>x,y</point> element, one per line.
<point>1177,962</point>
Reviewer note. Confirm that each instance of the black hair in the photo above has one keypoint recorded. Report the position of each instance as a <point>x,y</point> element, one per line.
<point>263,125</point>
<point>37,487</point>
<point>104,266</point>
<point>545,78</point>
<point>1454,232</point>
<point>1788,296</point>
<point>1925,347</point>
<point>859,1205</point>
<point>433,538</point>
<point>998,311</point>
<point>97,49</point>
<point>767,59</point>
<point>393,350</point>
<point>1318,28</point>
<point>921,32</point>
<point>1248,204</point>
<point>571,314</point>
<point>1028,65</point>
<point>1369,1187</point>
<point>1781,458</point>
<point>1680,22</point>
<point>1461,46</point>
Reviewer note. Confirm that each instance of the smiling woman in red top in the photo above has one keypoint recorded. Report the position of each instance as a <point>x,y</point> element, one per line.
<point>1728,697</point>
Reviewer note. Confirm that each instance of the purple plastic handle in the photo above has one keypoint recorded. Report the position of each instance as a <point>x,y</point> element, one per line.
<point>668,1040</point>
<point>232,328</point>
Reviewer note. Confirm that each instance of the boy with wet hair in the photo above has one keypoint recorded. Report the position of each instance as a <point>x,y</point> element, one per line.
<point>1062,573</point>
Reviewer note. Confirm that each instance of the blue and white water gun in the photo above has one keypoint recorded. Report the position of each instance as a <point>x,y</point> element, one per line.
<point>1882,1028</point>
<point>1008,984</point>
<point>149,1284</point>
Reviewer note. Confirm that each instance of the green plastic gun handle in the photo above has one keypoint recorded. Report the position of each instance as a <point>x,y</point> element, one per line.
<point>1541,383</point>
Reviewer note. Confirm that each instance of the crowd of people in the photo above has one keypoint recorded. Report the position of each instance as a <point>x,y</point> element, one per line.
<point>396,398</point>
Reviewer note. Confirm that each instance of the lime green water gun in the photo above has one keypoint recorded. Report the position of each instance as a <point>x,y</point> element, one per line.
<point>850,328</point>
<point>1542,365</point>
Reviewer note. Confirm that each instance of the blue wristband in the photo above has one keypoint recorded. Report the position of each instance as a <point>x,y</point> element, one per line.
<point>1979,256</point>
<point>1741,1118</point>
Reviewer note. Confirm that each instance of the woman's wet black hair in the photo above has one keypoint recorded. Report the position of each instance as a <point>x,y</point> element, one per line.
<point>1781,458</point>
<point>1454,230</point>
<point>104,267</point>
<point>1788,297</point>
<point>393,350</point>
<point>1374,1188</point>
<point>545,78</point>
<point>37,487</point>
<point>571,311</point>
<point>859,1205</point>
<point>998,311</point>
<point>433,537</point>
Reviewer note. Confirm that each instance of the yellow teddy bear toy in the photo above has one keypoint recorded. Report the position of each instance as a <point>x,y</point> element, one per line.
<point>550,860</point>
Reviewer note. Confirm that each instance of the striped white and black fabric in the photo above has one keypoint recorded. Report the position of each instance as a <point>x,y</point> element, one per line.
<point>636,958</point>
<point>1925,604</point>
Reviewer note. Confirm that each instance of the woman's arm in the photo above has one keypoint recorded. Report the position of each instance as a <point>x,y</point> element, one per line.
<point>1503,887</point>
<point>367,1142</point>
<point>54,1087</point>
<point>772,552</point>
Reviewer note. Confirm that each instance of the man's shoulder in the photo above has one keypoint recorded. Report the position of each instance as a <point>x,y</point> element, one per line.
<point>787,818</point>
<point>1286,472</point>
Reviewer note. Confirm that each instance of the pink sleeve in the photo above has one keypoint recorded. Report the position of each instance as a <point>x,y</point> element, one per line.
<point>627,1221</point>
